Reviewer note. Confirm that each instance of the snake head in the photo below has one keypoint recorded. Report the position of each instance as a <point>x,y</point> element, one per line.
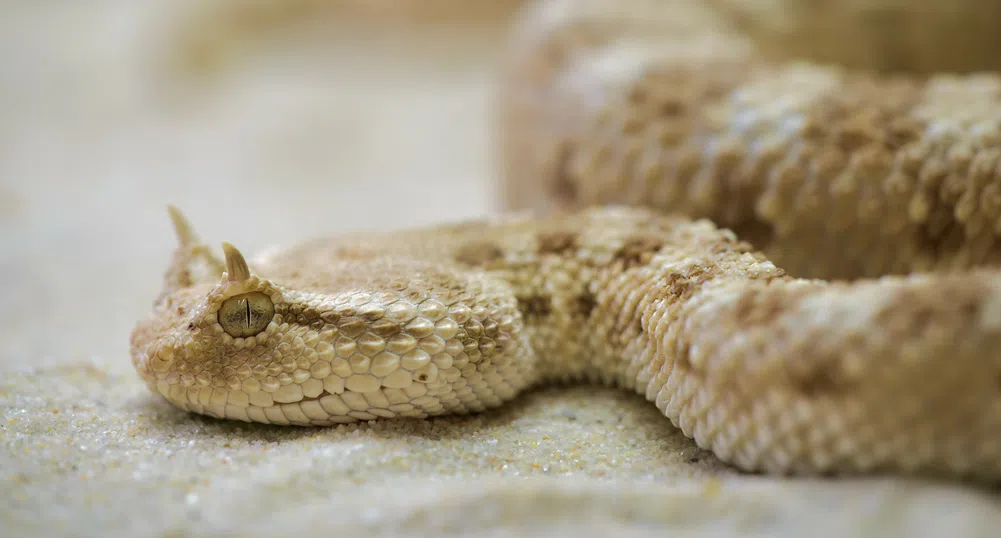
<point>342,334</point>
<point>197,345</point>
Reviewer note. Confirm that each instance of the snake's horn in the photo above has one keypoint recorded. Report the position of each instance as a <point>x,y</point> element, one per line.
<point>236,266</point>
<point>192,262</point>
<point>182,228</point>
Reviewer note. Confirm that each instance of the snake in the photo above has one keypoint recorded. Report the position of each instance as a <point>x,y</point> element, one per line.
<point>795,261</point>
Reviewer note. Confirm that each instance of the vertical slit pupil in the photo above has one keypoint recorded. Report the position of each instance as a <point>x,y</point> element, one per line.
<point>247,303</point>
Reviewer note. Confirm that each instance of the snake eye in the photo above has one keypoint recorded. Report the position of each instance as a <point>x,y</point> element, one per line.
<point>247,314</point>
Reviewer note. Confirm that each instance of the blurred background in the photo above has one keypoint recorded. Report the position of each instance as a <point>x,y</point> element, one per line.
<point>265,121</point>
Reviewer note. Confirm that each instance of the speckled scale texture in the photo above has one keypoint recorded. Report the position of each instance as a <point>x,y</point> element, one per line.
<point>770,372</point>
<point>833,172</point>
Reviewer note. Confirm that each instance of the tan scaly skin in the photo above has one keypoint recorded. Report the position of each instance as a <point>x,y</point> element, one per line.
<point>834,173</point>
<point>769,372</point>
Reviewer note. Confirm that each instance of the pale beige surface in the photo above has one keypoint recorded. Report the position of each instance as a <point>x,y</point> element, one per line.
<point>340,137</point>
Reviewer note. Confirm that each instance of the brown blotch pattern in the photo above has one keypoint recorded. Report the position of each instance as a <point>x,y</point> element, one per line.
<point>638,250</point>
<point>557,242</point>
<point>825,378</point>
<point>680,286</point>
<point>535,306</point>
<point>303,315</point>
<point>352,327</point>
<point>479,253</point>
<point>846,182</point>
<point>384,328</point>
<point>584,304</point>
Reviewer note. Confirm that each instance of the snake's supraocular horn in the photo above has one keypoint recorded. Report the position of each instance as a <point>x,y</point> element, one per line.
<point>192,262</point>
<point>182,228</point>
<point>236,265</point>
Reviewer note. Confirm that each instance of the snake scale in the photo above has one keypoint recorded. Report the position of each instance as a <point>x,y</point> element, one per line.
<point>811,287</point>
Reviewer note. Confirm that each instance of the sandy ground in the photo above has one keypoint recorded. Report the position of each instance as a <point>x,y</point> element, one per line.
<point>343,127</point>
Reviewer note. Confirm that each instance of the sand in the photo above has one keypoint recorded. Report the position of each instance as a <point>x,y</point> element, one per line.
<point>338,129</point>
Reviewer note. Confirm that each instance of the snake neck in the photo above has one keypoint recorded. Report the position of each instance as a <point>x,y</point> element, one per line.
<point>604,321</point>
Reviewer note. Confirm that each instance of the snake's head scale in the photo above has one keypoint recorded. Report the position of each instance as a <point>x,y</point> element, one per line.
<point>205,325</point>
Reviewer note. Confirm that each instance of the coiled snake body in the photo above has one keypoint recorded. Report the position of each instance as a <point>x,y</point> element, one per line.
<point>831,173</point>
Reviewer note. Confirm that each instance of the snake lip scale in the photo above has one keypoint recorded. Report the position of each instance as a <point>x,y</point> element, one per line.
<point>771,373</point>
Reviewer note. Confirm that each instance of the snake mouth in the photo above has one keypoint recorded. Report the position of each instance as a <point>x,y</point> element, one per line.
<point>325,409</point>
